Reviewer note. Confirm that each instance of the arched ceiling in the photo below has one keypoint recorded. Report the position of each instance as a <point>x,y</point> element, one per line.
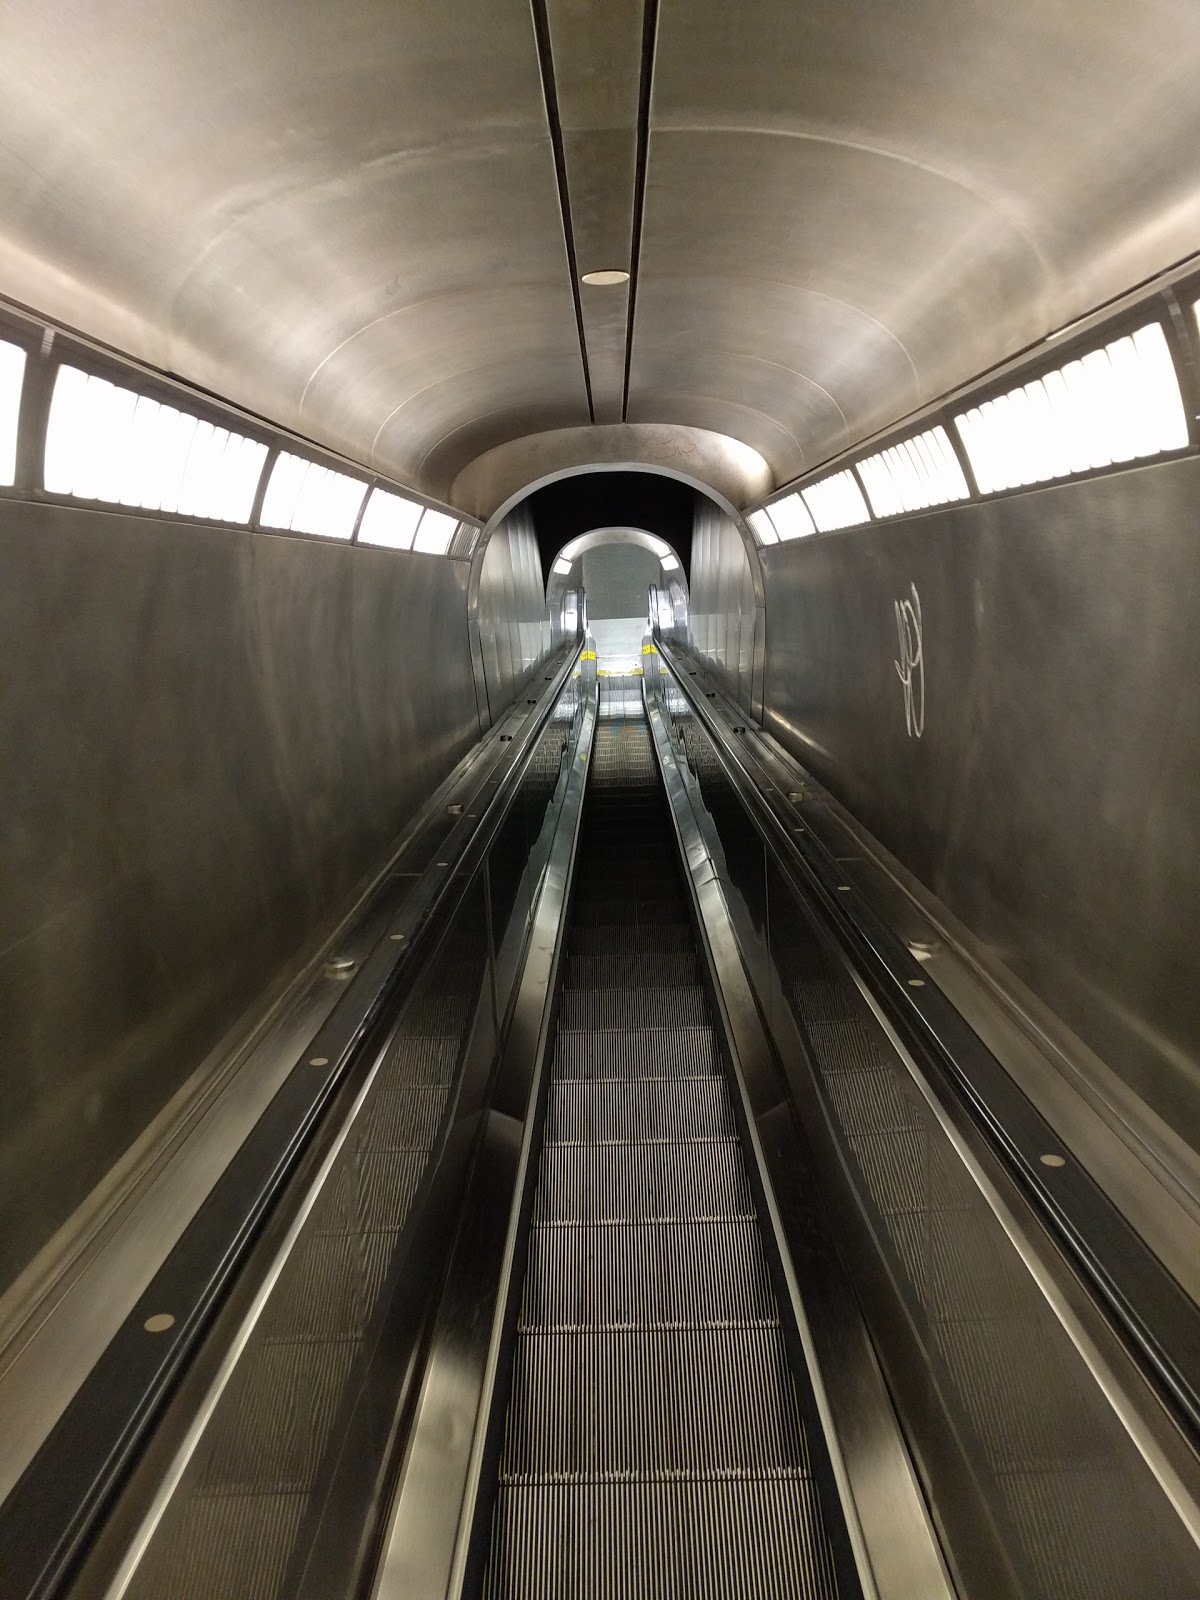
<point>367,220</point>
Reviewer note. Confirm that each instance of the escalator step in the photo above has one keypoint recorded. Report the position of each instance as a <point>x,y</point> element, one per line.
<point>604,1110</point>
<point>704,1539</point>
<point>642,1182</point>
<point>685,1006</point>
<point>635,1053</point>
<point>646,1274</point>
<point>673,1400</point>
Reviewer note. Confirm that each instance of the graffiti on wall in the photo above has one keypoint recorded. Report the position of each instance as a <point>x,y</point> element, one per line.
<point>910,663</point>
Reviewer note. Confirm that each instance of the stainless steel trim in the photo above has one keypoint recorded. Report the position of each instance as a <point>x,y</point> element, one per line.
<point>426,1547</point>
<point>896,1550</point>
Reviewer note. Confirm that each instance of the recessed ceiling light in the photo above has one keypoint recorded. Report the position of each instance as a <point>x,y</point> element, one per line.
<point>605,277</point>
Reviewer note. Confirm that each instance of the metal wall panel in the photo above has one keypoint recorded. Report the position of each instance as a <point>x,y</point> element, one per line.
<point>723,612</point>
<point>617,577</point>
<point>212,737</point>
<point>510,609</point>
<point>1005,695</point>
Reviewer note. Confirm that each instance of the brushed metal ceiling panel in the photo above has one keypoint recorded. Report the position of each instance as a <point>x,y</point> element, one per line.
<point>830,180</point>
<point>317,210</point>
<point>347,217</point>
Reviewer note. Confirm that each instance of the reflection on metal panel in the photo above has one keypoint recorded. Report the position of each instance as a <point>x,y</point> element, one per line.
<point>1050,800</point>
<point>514,624</point>
<point>1038,1487</point>
<point>722,600</point>
<point>221,735</point>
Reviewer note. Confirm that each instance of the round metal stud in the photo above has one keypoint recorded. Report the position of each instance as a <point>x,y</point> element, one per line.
<point>318,1061</point>
<point>159,1323</point>
<point>1051,1160</point>
<point>916,983</point>
<point>340,966</point>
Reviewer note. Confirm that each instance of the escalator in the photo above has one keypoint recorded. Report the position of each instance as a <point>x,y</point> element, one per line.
<point>633,1256</point>
<point>653,1443</point>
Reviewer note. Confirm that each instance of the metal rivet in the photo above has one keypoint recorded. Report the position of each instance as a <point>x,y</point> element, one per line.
<point>843,888</point>
<point>318,1061</point>
<point>1052,1160</point>
<point>340,966</point>
<point>159,1323</point>
<point>916,983</point>
<point>443,863</point>
<point>399,936</point>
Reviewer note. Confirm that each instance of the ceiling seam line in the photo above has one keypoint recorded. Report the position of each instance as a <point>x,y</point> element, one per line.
<point>641,161</point>
<point>541,32</point>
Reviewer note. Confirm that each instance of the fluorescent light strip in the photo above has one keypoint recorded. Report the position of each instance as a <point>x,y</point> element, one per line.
<point>435,532</point>
<point>12,377</point>
<point>563,565</point>
<point>1115,404</point>
<point>763,528</point>
<point>836,502</point>
<point>790,518</point>
<point>108,443</point>
<point>305,497</point>
<point>919,472</point>
<point>670,563</point>
<point>389,520</point>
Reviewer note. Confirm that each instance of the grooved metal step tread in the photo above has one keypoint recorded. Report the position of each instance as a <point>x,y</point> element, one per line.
<point>650,1401</point>
<point>646,1274</point>
<point>607,1109</point>
<point>642,1182</point>
<point>641,942</point>
<point>704,1540</point>
<point>632,969</point>
<point>633,913</point>
<point>635,1053</point>
<point>684,1006</point>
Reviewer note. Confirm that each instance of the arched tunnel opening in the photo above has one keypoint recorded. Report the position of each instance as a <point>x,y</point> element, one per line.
<point>598,839</point>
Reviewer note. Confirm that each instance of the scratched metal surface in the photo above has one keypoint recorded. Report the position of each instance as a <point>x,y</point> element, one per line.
<point>510,605</point>
<point>722,618</point>
<point>1049,799</point>
<point>212,737</point>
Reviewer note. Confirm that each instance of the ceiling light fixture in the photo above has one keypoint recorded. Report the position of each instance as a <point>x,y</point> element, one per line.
<point>601,279</point>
